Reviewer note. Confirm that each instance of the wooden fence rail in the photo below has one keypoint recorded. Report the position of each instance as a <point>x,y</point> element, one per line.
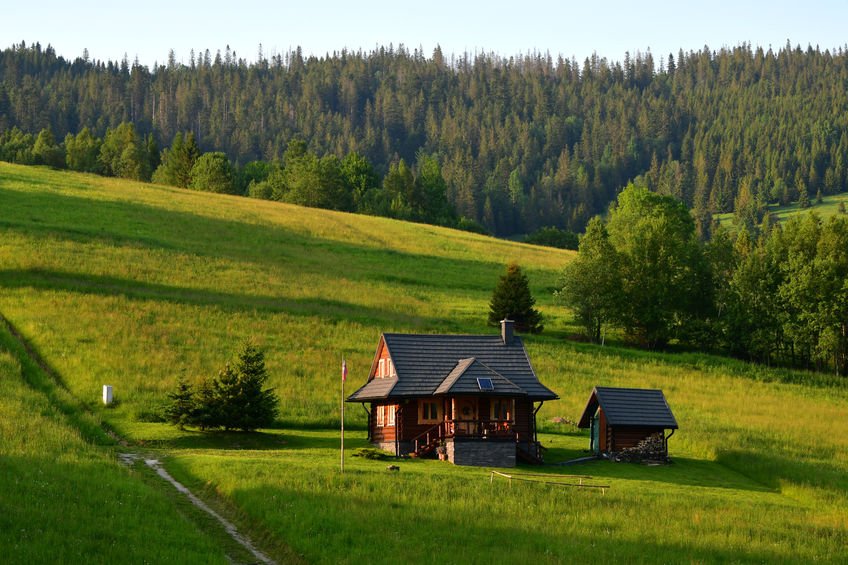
<point>526,477</point>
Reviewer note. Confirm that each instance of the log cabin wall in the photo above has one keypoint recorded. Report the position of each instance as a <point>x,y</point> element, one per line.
<point>523,419</point>
<point>384,433</point>
<point>411,424</point>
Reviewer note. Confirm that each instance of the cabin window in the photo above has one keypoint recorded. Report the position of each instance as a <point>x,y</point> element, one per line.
<point>502,409</point>
<point>386,415</point>
<point>381,369</point>
<point>429,412</point>
<point>392,372</point>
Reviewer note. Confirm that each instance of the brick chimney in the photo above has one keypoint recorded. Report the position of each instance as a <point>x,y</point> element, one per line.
<point>507,331</point>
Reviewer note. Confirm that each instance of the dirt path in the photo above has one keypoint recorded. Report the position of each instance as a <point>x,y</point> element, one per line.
<point>130,458</point>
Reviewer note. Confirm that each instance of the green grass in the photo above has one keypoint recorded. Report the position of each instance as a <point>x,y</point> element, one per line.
<point>64,499</point>
<point>135,285</point>
<point>828,207</point>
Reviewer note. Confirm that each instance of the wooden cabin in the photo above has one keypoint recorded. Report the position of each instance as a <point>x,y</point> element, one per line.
<point>473,396</point>
<point>621,418</point>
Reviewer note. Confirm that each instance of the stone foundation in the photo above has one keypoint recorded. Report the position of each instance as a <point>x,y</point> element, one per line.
<point>404,446</point>
<point>481,452</point>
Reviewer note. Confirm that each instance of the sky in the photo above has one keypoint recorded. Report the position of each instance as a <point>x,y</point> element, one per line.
<point>150,29</point>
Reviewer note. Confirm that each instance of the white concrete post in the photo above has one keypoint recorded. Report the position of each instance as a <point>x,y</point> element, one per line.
<point>107,394</point>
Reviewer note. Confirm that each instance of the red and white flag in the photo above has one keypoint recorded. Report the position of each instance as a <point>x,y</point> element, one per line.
<point>344,370</point>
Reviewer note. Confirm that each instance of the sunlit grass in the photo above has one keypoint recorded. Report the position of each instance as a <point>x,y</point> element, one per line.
<point>65,500</point>
<point>135,285</point>
<point>828,207</point>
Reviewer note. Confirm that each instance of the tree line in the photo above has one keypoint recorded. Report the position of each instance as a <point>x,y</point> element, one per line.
<point>522,142</point>
<point>775,295</point>
<point>415,192</point>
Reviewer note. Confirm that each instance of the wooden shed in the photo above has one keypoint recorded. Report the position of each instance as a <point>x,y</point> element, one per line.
<point>621,418</point>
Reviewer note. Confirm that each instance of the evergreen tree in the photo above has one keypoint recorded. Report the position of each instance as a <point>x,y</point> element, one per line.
<point>804,200</point>
<point>512,300</point>
<point>182,408</point>
<point>259,406</point>
<point>234,400</point>
<point>177,161</point>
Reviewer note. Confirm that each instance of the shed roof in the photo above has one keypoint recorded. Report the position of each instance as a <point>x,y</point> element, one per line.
<point>629,407</point>
<point>424,362</point>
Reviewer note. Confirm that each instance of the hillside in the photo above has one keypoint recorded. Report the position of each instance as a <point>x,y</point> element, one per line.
<point>174,280</point>
<point>523,142</point>
<point>828,207</point>
<point>135,285</point>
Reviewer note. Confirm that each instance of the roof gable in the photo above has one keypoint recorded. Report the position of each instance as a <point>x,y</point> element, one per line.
<point>463,379</point>
<point>629,407</point>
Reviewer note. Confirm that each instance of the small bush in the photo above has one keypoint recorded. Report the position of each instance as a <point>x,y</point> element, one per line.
<point>372,453</point>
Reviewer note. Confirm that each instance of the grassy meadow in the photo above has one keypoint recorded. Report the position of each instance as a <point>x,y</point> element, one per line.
<point>64,498</point>
<point>134,285</point>
<point>828,207</point>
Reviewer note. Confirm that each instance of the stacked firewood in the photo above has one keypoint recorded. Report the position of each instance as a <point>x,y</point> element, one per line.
<point>651,448</point>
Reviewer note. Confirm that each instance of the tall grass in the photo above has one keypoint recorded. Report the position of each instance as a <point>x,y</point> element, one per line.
<point>136,285</point>
<point>65,500</point>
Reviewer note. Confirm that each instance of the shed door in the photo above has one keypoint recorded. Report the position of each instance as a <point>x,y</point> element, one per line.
<point>596,427</point>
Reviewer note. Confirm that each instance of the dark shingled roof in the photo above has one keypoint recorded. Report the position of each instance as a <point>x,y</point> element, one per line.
<point>375,388</point>
<point>463,380</point>
<point>424,362</point>
<point>630,407</point>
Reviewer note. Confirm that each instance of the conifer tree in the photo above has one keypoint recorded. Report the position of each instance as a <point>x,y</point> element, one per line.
<point>803,200</point>
<point>512,300</point>
<point>181,410</point>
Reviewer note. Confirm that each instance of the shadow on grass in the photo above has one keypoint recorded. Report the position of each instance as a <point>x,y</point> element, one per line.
<point>772,469</point>
<point>368,516</point>
<point>49,214</point>
<point>253,441</point>
<point>112,286</point>
<point>682,471</point>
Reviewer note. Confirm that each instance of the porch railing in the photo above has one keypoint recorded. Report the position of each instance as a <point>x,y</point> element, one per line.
<point>429,439</point>
<point>480,428</point>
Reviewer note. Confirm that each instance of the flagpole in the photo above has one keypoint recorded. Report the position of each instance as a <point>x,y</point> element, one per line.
<point>342,410</point>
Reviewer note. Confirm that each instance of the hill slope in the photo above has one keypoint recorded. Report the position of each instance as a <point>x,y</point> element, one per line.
<point>135,285</point>
<point>145,284</point>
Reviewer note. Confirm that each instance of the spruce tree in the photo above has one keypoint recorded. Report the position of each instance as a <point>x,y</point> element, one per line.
<point>803,200</point>
<point>181,410</point>
<point>512,299</point>
<point>258,406</point>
